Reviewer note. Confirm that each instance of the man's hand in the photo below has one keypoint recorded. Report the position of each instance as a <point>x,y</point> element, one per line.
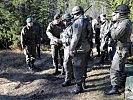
<point>56,41</point>
<point>71,53</point>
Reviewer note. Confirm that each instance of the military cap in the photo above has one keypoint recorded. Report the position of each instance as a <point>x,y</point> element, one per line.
<point>57,16</point>
<point>28,20</point>
<point>123,8</point>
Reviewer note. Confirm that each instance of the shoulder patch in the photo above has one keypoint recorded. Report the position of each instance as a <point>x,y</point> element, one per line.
<point>76,26</point>
<point>118,27</point>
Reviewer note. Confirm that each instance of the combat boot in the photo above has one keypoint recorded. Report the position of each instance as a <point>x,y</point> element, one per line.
<point>56,71</point>
<point>112,91</point>
<point>30,67</point>
<point>77,89</point>
<point>35,68</point>
<point>66,83</point>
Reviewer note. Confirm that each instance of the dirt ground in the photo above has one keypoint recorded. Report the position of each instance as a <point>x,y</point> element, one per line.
<point>18,83</point>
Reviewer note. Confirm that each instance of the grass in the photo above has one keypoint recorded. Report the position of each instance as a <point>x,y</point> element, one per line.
<point>43,85</point>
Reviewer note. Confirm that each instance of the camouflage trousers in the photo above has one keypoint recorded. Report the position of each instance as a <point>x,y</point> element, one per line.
<point>80,61</point>
<point>117,70</point>
<point>68,66</point>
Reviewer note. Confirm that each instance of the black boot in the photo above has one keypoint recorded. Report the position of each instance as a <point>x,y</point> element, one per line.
<point>30,67</point>
<point>66,83</point>
<point>56,71</point>
<point>35,68</point>
<point>77,89</point>
<point>112,91</point>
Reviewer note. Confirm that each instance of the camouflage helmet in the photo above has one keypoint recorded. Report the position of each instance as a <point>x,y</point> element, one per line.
<point>77,9</point>
<point>123,8</point>
<point>66,16</point>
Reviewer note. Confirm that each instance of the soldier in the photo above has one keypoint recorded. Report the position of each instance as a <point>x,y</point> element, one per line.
<point>89,19</point>
<point>121,33</point>
<point>105,26</point>
<point>29,41</point>
<point>79,47</point>
<point>97,35</point>
<point>53,32</point>
<point>37,29</point>
<point>66,38</point>
<point>112,42</point>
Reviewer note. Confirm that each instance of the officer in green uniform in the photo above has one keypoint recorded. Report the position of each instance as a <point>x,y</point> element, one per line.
<point>121,33</point>
<point>66,38</point>
<point>29,41</point>
<point>79,47</point>
<point>37,28</point>
<point>54,29</point>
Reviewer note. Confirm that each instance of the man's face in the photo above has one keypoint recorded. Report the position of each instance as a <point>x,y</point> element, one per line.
<point>117,16</point>
<point>103,19</point>
<point>114,18</point>
<point>76,16</point>
<point>30,24</point>
<point>34,19</point>
<point>65,22</point>
<point>57,21</point>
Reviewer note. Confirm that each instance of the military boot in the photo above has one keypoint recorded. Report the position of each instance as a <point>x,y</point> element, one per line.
<point>56,71</point>
<point>30,67</point>
<point>66,83</point>
<point>77,89</point>
<point>112,91</point>
<point>35,68</point>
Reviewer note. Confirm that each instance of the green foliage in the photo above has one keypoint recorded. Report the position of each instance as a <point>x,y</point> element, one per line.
<point>82,3</point>
<point>61,6</point>
<point>13,14</point>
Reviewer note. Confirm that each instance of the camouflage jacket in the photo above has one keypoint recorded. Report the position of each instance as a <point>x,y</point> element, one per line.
<point>122,32</point>
<point>79,41</point>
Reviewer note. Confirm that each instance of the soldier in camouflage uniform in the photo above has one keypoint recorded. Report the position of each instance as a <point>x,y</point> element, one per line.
<point>79,47</point>
<point>121,33</point>
<point>29,41</point>
<point>66,38</point>
<point>97,35</point>
<point>53,32</point>
<point>105,26</point>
